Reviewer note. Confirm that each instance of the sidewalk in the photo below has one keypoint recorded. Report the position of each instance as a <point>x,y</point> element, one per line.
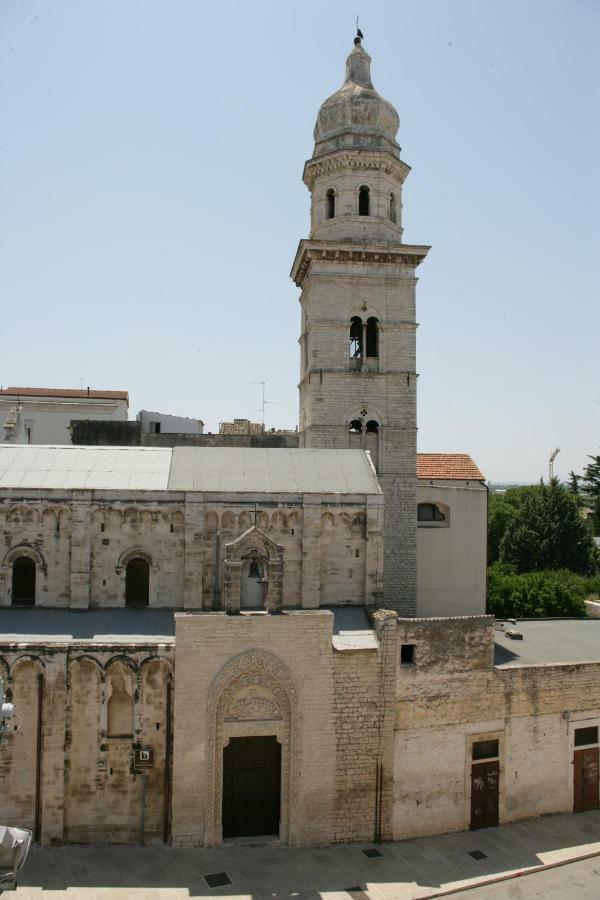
<point>421,868</point>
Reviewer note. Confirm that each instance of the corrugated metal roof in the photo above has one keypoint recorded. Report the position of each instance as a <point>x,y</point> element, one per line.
<point>281,470</point>
<point>96,626</point>
<point>211,469</point>
<point>84,468</point>
<point>352,629</point>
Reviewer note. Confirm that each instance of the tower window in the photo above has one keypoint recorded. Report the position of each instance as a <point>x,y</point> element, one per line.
<point>364,198</point>
<point>355,427</point>
<point>137,582</point>
<point>372,427</point>
<point>23,581</point>
<point>372,336</point>
<point>393,207</point>
<point>330,197</point>
<point>356,337</point>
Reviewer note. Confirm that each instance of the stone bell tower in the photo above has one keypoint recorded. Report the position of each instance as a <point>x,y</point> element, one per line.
<point>358,384</point>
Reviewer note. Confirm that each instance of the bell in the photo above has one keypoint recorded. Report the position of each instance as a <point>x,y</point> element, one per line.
<point>254,570</point>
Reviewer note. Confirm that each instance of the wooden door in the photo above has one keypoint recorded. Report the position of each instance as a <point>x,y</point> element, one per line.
<point>484,794</point>
<point>251,787</point>
<point>586,779</point>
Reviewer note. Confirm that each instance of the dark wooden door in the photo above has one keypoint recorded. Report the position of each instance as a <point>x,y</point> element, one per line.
<point>251,787</point>
<point>586,779</point>
<point>484,794</point>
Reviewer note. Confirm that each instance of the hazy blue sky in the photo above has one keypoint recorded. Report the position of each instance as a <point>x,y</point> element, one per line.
<point>151,202</point>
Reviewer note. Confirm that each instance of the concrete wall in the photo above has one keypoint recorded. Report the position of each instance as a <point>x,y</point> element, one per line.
<point>169,424</point>
<point>47,420</point>
<point>452,554</point>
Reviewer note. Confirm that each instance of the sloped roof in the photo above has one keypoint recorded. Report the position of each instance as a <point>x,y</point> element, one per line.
<point>272,470</point>
<point>457,466</point>
<point>64,392</point>
<point>206,469</point>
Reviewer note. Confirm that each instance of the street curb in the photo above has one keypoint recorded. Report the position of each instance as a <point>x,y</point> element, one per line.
<point>517,873</point>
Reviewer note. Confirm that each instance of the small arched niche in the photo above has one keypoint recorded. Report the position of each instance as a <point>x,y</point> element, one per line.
<point>253,581</point>
<point>120,714</point>
<point>393,214</point>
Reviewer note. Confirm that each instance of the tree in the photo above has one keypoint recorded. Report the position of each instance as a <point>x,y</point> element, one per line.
<point>548,532</point>
<point>573,482</point>
<point>534,594</point>
<point>502,509</point>
<point>591,477</point>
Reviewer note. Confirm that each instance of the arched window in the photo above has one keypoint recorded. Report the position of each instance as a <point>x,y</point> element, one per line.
<point>372,336</point>
<point>23,581</point>
<point>371,441</point>
<point>356,337</point>
<point>364,197</point>
<point>430,512</point>
<point>355,434</point>
<point>330,203</point>
<point>392,207</point>
<point>137,582</point>
<point>120,715</point>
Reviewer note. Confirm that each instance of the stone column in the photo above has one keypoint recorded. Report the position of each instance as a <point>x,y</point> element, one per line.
<point>311,551</point>
<point>53,749</point>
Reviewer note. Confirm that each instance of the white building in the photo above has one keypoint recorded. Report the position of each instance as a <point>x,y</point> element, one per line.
<point>163,423</point>
<point>43,415</point>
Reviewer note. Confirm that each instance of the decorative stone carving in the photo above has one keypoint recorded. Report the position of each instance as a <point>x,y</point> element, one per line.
<point>251,682</point>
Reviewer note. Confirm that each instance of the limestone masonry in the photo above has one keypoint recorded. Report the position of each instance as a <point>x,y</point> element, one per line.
<point>210,637</point>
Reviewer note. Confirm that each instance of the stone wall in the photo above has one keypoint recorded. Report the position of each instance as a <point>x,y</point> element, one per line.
<point>68,773</point>
<point>81,542</point>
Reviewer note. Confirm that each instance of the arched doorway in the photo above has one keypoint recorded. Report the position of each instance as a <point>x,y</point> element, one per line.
<point>137,582</point>
<point>23,581</point>
<point>251,786</point>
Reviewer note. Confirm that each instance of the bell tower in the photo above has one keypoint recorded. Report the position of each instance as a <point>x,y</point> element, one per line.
<point>358,383</point>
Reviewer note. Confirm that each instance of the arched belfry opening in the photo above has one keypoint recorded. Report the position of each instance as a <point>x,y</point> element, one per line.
<point>371,442</point>
<point>372,337</point>
<point>356,338</point>
<point>253,581</point>
<point>364,201</point>
<point>330,203</point>
<point>393,214</point>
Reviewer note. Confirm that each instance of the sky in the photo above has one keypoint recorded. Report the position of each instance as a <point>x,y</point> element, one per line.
<point>151,203</point>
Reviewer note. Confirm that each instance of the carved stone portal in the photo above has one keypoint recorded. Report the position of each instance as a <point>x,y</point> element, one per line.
<point>253,695</point>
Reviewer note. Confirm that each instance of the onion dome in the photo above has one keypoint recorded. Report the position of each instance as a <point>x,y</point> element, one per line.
<point>356,117</point>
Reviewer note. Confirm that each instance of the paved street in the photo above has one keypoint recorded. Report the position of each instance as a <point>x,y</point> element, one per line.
<point>421,868</point>
<point>577,881</point>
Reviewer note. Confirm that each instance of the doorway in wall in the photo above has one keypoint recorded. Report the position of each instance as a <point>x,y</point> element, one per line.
<point>485,778</point>
<point>251,787</point>
<point>585,769</point>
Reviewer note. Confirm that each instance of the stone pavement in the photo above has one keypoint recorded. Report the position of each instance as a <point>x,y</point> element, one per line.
<point>421,868</point>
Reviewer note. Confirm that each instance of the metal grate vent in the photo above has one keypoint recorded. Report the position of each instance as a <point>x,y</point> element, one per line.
<point>371,853</point>
<point>477,854</point>
<point>219,879</point>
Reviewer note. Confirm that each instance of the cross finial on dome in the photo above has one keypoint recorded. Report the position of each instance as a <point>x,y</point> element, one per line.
<point>359,35</point>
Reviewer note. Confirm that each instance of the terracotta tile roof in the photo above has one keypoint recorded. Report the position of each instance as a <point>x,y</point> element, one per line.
<point>64,392</point>
<point>448,465</point>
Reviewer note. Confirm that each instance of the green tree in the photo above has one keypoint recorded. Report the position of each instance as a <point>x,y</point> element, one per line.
<point>591,477</point>
<point>573,482</point>
<point>596,517</point>
<point>534,594</point>
<point>502,509</point>
<point>548,532</point>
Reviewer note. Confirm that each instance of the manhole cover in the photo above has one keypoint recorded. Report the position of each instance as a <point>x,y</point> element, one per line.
<point>477,854</point>
<point>371,852</point>
<point>218,879</point>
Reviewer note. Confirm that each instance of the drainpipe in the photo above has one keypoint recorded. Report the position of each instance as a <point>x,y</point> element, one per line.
<point>37,828</point>
<point>167,780</point>
<point>217,572</point>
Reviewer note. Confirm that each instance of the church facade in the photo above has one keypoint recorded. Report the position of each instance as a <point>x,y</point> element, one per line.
<point>209,642</point>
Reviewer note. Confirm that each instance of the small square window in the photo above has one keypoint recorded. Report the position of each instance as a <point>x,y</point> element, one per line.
<point>586,736</point>
<point>485,749</point>
<point>407,654</point>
